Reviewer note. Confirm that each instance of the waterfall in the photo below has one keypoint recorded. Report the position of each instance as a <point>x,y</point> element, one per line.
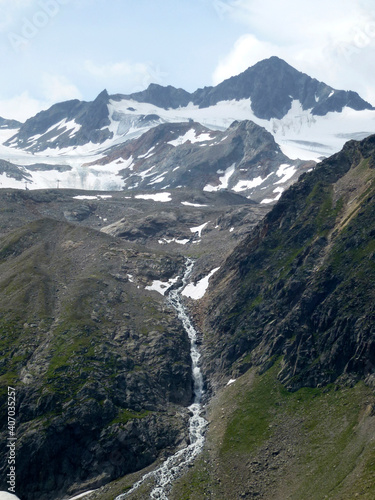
<point>174,466</point>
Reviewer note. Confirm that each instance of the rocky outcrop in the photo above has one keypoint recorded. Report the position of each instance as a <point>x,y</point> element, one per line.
<point>9,124</point>
<point>299,286</point>
<point>14,171</point>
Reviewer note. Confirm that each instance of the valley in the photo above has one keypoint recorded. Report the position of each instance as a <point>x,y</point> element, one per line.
<point>255,370</point>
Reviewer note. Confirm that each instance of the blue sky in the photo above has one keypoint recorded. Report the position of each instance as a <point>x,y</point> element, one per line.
<point>54,50</point>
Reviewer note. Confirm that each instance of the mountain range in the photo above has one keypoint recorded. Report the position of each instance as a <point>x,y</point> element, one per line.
<point>74,144</point>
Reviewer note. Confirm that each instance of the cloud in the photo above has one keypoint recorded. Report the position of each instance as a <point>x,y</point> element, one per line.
<point>10,12</point>
<point>56,88</point>
<point>247,51</point>
<point>124,75</point>
<point>294,21</point>
<point>331,41</point>
<point>20,107</point>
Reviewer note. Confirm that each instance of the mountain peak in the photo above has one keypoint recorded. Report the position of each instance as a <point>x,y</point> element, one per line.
<point>102,97</point>
<point>273,84</point>
<point>273,60</point>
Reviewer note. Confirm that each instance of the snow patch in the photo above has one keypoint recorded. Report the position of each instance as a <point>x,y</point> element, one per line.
<point>162,197</point>
<point>10,182</point>
<point>271,200</point>
<point>84,197</point>
<point>188,204</point>
<point>197,291</point>
<point>158,179</point>
<point>199,229</point>
<point>146,173</point>
<point>89,197</point>
<point>286,172</point>
<point>80,496</point>
<point>165,241</point>
<point>191,135</point>
<point>223,181</point>
<point>161,286</point>
<point>148,154</point>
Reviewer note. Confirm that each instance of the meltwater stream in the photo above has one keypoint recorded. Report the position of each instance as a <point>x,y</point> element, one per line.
<point>172,468</point>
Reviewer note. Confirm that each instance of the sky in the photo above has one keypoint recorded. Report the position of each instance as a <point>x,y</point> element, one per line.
<point>55,50</point>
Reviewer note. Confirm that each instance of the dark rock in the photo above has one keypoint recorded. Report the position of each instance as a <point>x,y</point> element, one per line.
<point>299,286</point>
<point>80,213</point>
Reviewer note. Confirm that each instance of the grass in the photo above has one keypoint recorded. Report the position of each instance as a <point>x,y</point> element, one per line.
<point>196,483</point>
<point>249,423</point>
<point>331,430</point>
<point>125,415</point>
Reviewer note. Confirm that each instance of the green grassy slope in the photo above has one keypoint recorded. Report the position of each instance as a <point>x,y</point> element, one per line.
<point>265,442</point>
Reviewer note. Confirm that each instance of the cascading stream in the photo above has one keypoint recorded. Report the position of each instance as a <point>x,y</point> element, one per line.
<point>173,467</point>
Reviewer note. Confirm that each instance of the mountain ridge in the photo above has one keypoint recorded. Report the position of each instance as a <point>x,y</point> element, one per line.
<point>308,312</point>
<point>262,83</point>
<point>266,92</point>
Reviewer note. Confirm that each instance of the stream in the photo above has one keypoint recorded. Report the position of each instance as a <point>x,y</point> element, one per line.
<point>174,466</point>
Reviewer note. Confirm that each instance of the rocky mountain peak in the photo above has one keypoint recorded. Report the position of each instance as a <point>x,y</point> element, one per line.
<point>103,96</point>
<point>272,85</point>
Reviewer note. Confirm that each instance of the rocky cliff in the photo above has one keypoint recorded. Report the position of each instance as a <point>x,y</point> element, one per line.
<point>299,286</point>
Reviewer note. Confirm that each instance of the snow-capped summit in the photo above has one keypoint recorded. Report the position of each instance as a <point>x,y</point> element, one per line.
<point>271,85</point>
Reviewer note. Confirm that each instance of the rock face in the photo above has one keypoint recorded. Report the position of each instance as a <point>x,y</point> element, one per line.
<point>66,124</point>
<point>100,365</point>
<point>163,97</point>
<point>244,158</point>
<point>9,124</point>
<point>299,286</point>
<point>273,84</point>
<point>14,171</point>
